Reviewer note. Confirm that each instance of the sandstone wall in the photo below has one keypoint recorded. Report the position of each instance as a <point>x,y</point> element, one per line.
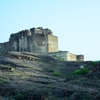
<point>1,46</point>
<point>4,46</point>
<point>80,57</point>
<point>52,43</point>
<point>37,40</point>
<point>20,41</point>
<point>67,56</point>
<point>40,44</point>
<point>61,55</point>
<point>72,57</point>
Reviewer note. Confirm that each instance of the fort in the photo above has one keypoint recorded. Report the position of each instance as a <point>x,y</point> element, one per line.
<point>38,40</point>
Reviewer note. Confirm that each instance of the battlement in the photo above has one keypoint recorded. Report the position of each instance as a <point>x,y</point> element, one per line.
<point>40,30</point>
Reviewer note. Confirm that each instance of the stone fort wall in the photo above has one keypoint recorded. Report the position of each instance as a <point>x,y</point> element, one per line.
<point>38,40</point>
<point>34,40</point>
<point>66,56</point>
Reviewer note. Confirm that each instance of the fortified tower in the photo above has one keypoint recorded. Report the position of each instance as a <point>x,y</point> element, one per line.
<point>37,40</point>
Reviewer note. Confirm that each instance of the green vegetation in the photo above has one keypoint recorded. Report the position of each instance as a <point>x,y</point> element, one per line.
<point>95,63</point>
<point>19,97</point>
<point>51,97</point>
<point>15,73</point>
<point>4,80</point>
<point>2,53</point>
<point>87,98</point>
<point>57,74</point>
<point>61,59</point>
<point>8,65</point>
<point>82,71</point>
<point>53,55</point>
<point>51,70</point>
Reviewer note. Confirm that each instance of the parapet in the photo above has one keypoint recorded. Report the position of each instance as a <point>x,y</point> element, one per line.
<point>40,30</point>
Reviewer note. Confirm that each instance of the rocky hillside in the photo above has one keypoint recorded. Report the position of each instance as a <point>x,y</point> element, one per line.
<point>29,76</point>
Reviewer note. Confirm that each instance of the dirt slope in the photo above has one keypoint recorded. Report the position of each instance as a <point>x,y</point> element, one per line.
<point>29,76</point>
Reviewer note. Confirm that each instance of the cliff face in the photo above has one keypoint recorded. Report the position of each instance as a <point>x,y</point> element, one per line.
<point>33,40</point>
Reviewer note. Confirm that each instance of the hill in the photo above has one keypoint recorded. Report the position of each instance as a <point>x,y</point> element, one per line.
<point>30,76</point>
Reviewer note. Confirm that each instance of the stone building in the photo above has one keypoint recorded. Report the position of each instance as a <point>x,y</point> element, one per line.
<point>38,40</point>
<point>66,56</point>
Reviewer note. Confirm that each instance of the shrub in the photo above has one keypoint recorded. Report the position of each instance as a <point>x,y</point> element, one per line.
<point>57,74</point>
<point>8,65</point>
<point>19,97</point>
<point>51,97</point>
<point>82,71</point>
<point>61,59</point>
<point>95,62</point>
<point>53,55</point>
<point>51,70</point>
<point>5,81</point>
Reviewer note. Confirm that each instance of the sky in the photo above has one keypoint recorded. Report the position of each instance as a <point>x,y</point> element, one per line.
<point>75,22</point>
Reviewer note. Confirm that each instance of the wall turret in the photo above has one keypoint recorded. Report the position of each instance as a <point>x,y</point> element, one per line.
<point>80,57</point>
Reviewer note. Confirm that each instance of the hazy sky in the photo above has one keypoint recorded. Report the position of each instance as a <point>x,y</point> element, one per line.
<point>75,22</point>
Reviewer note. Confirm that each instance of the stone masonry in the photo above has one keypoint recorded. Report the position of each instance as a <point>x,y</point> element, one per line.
<point>37,40</point>
<point>66,56</point>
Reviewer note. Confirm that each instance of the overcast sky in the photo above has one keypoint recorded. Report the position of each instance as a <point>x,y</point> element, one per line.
<point>75,22</point>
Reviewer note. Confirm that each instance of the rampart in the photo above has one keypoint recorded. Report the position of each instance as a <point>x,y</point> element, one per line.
<point>34,40</point>
<point>67,56</point>
<point>38,40</point>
